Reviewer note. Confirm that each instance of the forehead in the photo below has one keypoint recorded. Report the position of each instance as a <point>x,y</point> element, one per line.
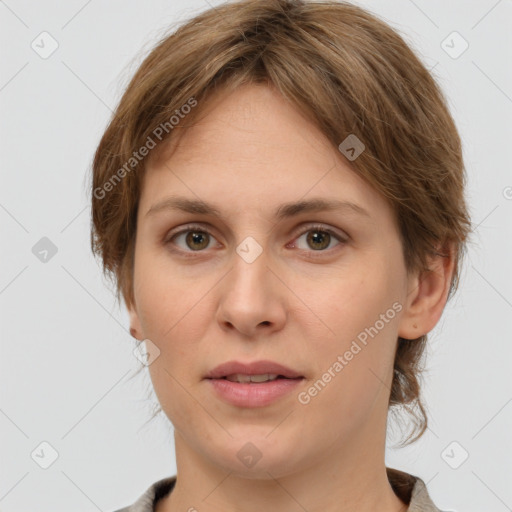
<point>248,120</point>
<point>252,144</point>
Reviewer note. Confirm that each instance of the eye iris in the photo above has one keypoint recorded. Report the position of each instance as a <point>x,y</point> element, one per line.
<point>194,237</point>
<point>316,237</point>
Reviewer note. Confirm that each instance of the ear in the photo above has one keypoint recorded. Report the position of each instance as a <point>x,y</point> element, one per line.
<point>135,327</point>
<point>427,295</point>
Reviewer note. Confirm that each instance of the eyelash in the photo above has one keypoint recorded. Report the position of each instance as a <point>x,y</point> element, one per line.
<point>315,227</point>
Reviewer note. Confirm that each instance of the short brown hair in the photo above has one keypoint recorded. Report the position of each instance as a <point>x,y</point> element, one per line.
<point>350,73</point>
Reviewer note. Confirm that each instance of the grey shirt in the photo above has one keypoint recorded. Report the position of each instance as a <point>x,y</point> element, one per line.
<point>410,489</point>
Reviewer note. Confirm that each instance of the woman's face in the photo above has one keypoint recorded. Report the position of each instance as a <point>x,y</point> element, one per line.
<point>321,292</point>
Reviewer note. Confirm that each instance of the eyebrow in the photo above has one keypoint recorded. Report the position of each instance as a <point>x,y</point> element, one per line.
<point>286,210</point>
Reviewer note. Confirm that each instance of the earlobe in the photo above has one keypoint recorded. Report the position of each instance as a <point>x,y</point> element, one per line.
<point>427,296</point>
<point>135,328</point>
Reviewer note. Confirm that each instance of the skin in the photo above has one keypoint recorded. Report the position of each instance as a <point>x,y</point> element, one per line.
<point>298,303</point>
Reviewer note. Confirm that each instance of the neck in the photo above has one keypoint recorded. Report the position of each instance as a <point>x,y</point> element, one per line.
<point>351,476</point>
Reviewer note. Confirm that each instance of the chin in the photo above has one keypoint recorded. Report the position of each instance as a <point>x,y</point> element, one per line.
<point>258,457</point>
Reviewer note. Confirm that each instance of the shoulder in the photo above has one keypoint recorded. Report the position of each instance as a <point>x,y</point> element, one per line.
<point>420,498</point>
<point>411,490</point>
<point>156,491</point>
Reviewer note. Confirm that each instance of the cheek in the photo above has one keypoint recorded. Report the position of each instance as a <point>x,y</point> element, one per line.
<point>353,378</point>
<point>164,297</point>
<point>354,364</point>
<point>343,307</point>
<point>174,314</point>
<point>174,396</point>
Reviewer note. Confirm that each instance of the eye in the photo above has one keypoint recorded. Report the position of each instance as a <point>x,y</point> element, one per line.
<point>319,238</point>
<point>195,239</point>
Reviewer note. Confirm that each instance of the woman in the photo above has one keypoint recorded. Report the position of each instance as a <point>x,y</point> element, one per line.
<point>279,198</point>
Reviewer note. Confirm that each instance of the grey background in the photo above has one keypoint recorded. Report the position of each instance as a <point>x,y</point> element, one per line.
<point>67,358</point>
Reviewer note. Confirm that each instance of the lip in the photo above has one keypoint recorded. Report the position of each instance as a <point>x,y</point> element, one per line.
<point>253,394</point>
<point>252,368</point>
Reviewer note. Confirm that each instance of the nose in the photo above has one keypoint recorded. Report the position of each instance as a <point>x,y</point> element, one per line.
<point>252,298</point>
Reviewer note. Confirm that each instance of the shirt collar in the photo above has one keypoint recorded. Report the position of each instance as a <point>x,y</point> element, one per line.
<point>409,488</point>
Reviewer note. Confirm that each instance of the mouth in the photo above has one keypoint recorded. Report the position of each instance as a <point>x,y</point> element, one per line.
<point>250,393</point>
<point>243,378</point>
<point>256,384</point>
<point>253,372</point>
